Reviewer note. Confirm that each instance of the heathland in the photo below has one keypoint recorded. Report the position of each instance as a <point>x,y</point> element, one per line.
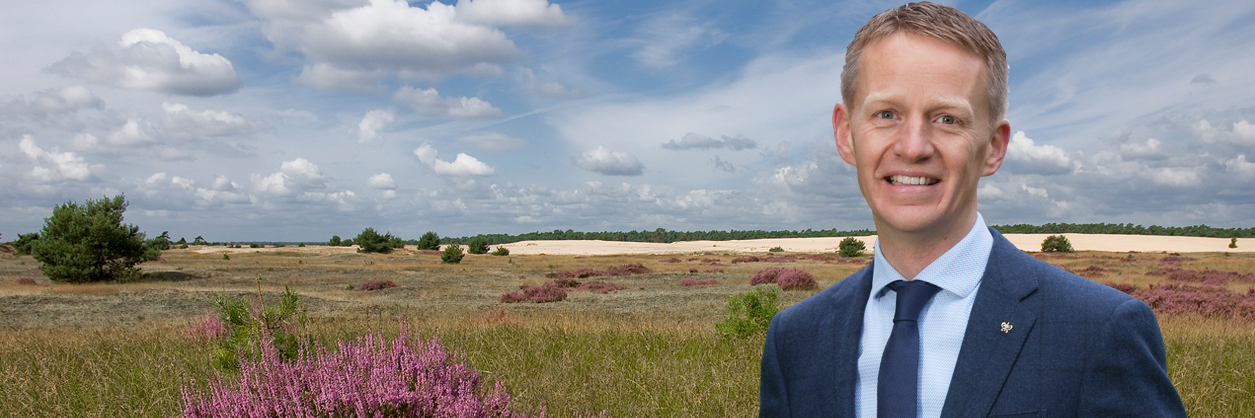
<point>648,349</point>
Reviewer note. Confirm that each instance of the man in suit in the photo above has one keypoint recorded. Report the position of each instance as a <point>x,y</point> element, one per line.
<point>995,332</point>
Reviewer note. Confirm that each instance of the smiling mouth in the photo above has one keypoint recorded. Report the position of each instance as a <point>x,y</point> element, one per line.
<point>900,180</point>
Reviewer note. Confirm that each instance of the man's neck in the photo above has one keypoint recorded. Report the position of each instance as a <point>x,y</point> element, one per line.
<point>909,252</point>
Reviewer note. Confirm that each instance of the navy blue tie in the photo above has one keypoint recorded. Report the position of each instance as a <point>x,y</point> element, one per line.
<point>897,390</point>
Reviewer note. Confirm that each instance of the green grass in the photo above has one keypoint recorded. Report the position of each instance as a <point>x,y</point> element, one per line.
<point>1212,364</point>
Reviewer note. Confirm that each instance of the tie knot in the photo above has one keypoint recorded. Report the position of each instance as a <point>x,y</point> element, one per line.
<point>912,295</point>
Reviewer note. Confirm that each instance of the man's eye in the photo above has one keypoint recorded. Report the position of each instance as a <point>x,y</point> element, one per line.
<point>948,120</point>
<point>884,114</point>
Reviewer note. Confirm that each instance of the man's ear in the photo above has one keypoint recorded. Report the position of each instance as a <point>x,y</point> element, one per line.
<point>997,150</point>
<point>841,129</point>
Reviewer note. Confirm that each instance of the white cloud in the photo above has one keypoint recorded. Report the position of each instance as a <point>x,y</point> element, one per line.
<point>610,163</point>
<point>698,141</point>
<point>666,38</point>
<point>516,13</point>
<point>551,89</point>
<point>429,103</point>
<point>147,59</point>
<point>382,181</point>
<point>1035,191</point>
<point>56,101</point>
<point>1238,165</point>
<point>1244,130</point>
<point>54,166</point>
<point>374,121</point>
<point>355,47</point>
<point>135,132</point>
<point>494,141</point>
<point>1150,150</point>
<point>180,119</point>
<point>1174,176</point>
<point>1039,159</point>
<point>462,166</point>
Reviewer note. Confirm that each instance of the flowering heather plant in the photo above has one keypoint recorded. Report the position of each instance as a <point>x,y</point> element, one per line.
<point>1173,260</point>
<point>600,287</point>
<point>671,260</point>
<point>627,269</point>
<point>26,281</point>
<point>207,327</point>
<point>377,285</point>
<point>1208,277</point>
<point>547,292</point>
<point>689,282</point>
<point>768,259</point>
<point>583,272</point>
<point>1091,272</point>
<point>367,378</point>
<point>787,279</point>
<point>1123,287</point>
<point>1209,301</point>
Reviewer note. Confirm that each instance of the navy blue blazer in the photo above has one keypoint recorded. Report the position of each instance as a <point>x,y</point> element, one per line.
<point>1076,348</point>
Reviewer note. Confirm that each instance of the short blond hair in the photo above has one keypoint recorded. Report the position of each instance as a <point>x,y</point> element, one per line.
<point>944,23</point>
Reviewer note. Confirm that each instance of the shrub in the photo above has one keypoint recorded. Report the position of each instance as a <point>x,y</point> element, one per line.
<point>255,245</point>
<point>1056,243</point>
<point>1233,243</point>
<point>600,287</point>
<point>670,260</point>
<point>501,251</point>
<point>182,246</point>
<point>787,279</point>
<point>776,249</point>
<point>850,247</point>
<point>160,243</point>
<point>334,241</point>
<point>367,377</point>
<point>547,292</point>
<point>248,325</point>
<point>429,241</point>
<point>452,254</point>
<point>26,281</point>
<point>90,243</point>
<point>207,327</point>
<point>369,241</point>
<point>478,245</point>
<point>377,285</point>
<point>301,245</point>
<point>750,313</point>
<point>199,241</point>
<point>226,257</point>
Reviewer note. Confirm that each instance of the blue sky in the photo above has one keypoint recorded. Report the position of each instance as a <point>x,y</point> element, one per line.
<point>269,120</point>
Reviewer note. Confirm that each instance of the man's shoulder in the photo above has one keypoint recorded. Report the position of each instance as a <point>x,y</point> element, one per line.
<point>1041,280</point>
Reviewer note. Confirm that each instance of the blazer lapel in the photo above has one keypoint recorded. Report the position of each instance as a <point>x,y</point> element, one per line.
<point>995,333</point>
<point>844,339</point>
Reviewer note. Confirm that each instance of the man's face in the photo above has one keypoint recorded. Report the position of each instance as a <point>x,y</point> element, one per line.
<point>919,134</point>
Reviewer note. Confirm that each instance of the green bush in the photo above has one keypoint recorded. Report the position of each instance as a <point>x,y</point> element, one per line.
<point>478,245</point>
<point>501,251</point>
<point>25,242</point>
<point>90,243</point>
<point>452,254</point>
<point>245,326</point>
<point>1233,243</point>
<point>199,241</point>
<point>255,245</point>
<point>429,241</point>
<point>750,313</point>
<point>850,247</point>
<point>160,243</point>
<point>776,249</point>
<point>334,241</point>
<point>1056,243</point>
<point>370,241</point>
<point>301,245</point>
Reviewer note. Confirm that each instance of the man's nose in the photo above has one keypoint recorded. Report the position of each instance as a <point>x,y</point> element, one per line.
<point>915,140</point>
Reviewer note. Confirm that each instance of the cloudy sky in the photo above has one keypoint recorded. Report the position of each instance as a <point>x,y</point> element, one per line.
<point>293,120</point>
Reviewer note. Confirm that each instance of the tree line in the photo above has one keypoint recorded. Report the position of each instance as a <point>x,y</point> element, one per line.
<point>1128,229</point>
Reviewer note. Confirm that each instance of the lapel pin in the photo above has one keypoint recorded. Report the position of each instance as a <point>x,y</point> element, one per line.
<point>1006,327</point>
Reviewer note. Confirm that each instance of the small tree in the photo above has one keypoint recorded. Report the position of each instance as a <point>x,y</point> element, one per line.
<point>1233,243</point>
<point>90,243</point>
<point>501,251</point>
<point>1056,243</point>
<point>429,241</point>
<point>478,245</point>
<point>25,242</point>
<point>370,241</point>
<point>452,254</point>
<point>199,241</point>
<point>850,247</point>
<point>334,241</point>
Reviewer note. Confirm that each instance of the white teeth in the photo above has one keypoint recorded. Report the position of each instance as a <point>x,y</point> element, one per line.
<point>911,181</point>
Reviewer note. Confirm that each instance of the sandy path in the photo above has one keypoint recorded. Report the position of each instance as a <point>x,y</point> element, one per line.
<point>1026,242</point>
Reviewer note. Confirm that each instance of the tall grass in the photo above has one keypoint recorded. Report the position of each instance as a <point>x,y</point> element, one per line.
<point>627,365</point>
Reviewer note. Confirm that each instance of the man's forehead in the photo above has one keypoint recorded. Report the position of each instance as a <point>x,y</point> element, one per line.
<point>933,102</point>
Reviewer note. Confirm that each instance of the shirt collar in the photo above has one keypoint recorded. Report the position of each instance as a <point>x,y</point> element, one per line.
<point>958,271</point>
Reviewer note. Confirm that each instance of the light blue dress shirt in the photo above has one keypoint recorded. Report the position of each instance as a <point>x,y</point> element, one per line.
<point>942,323</point>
